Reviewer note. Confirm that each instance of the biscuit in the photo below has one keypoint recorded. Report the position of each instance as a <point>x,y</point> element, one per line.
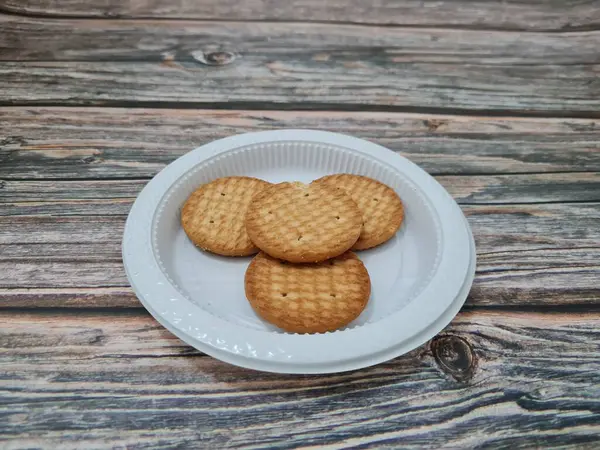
<point>303,223</point>
<point>381,207</point>
<point>308,298</point>
<point>213,216</point>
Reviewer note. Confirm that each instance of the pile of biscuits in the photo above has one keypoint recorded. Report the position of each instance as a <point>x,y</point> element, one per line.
<point>305,278</point>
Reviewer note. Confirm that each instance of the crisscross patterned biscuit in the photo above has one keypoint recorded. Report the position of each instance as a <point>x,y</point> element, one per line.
<point>381,207</point>
<point>303,223</point>
<point>308,298</point>
<point>213,216</point>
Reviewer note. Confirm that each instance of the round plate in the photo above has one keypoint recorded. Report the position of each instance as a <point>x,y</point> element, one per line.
<point>420,278</point>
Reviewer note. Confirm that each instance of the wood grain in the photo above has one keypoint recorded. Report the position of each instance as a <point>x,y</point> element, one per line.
<point>42,143</point>
<point>115,197</point>
<point>98,380</point>
<point>318,45</point>
<point>82,365</point>
<point>523,188</point>
<point>314,66</point>
<point>544,255</point>
<point>514,15</point>
<point>541,278</point>
<point>259,82</point>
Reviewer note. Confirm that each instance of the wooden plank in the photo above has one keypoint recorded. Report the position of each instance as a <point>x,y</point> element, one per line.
<point>517,15</point>
<point>527,255</point>
<point>87,190</point>
<point>68,198</point>
<point>538,267</point>
<point>46,143</point>
<point>314,65</point>
<point>52,230</point>
<point>319,45</point>
<point>541,278</point>
<point>51,274</point>
<point>98,380</point>
<point>64,297</point>
<point>526,188</point>
<point>107,207</point>
<point>258,82</point>
<point>115,197</point>
<point>497,228</point>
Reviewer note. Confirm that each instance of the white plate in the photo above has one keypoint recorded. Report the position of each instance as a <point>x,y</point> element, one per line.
<point>420,278</point>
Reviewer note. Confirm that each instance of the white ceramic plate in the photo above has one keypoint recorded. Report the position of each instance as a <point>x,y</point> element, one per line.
<point>420,278</point>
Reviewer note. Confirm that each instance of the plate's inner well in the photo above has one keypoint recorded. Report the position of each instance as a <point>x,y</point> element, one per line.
<point>399,269</point>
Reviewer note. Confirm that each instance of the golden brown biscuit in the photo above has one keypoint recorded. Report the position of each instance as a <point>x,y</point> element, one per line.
<point>381,207</point>
<point>213,216</point>
<point>303,223</point>
<point>308,298</point>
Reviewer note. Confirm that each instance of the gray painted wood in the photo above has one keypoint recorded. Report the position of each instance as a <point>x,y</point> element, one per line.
<point>262,82</point>
<point>491,379</point>
<point>115,197</point>
<point>83,366</point>
<point>543,255</point>
<point>541,278</point>
<point>317,45</point>
<point>83,62</point>
<point>44,143</point>
<point>514,15</point>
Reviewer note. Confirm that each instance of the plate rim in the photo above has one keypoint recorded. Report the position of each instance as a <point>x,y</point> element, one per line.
<point>243,352</point>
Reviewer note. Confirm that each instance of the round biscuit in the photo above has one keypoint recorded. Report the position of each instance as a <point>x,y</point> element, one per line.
<point>381,207</point>
<point>303,223</point>
<point>213,215</point>
<point>308,298</point>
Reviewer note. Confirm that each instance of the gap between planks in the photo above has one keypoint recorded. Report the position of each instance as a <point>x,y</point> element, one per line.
<point>149,177</point>
<point>307,106</point>
<point>141,311</point>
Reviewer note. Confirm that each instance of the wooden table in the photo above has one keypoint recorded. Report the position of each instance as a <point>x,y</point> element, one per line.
<point>500,101</point>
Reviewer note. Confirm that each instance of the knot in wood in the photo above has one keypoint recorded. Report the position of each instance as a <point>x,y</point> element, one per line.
<point>454,356</point>
<point>13,140</point>
<point>217,58</point>
<point>433,125</point>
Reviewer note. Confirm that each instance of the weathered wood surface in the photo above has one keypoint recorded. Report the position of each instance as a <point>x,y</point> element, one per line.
<point>543,255</point>
<point>318,66</point>
<point>541,278</point>
<point>141,142</point>
<point>514,15</point>
<point>509,379</point>
<point>83,365</point>
<point>115,197</point>
<point>136,143</point>
<point>356,46</point>
<point>260,82</point>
